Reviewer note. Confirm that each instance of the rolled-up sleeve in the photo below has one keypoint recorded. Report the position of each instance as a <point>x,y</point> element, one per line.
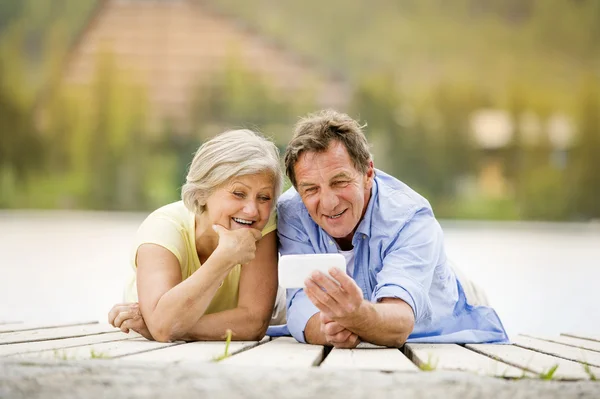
<point>409,264</point>
<point>294,240</point>
<point>299,310</point>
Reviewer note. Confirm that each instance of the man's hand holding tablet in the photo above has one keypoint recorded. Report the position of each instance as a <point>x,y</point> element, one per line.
<point>337,297</point>
<point>295,269</point>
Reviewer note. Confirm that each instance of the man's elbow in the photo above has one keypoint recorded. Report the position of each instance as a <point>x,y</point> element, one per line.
<point>407,327</point>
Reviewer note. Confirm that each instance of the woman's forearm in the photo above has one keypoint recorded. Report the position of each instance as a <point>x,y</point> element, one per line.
<point>244,324</point>
<point>180,308</point>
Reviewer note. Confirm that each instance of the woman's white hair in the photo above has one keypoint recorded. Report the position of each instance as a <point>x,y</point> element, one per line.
<point>233,153</point>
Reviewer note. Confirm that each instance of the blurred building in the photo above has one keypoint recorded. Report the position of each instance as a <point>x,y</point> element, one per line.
<point>496,133</point>
<point>175,47</point>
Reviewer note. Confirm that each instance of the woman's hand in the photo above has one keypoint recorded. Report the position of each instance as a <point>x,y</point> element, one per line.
<point>238,246</point>
<point>127,316</point>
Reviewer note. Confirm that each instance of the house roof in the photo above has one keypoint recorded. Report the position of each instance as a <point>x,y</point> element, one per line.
<point>171,46</point>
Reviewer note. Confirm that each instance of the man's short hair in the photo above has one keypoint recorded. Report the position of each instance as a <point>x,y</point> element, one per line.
<point>316,131</point>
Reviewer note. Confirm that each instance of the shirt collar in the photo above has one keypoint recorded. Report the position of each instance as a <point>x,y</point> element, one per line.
<point>364,227</point>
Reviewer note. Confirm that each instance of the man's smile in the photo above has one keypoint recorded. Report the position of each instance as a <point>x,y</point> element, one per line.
<point>337,215</point>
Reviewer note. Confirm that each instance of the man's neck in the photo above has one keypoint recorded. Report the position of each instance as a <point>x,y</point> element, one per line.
<point>345,243</point>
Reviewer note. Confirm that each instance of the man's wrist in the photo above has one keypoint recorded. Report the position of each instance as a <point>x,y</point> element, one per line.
<point>359,319</point>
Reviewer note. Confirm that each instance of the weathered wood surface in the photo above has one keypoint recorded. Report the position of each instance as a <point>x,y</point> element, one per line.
<point>192,352</point>
<point>55,333</point>
<point>457,358</point>
<point>536,362</point>
<point>559,350</point>
<point>576,358</point>
<point>591,337</point>
<point>104,350</point>
<point>114,379</point>
<point>282,352</point>
<point>19,326</point>
<point>368,359</point>
<point>570,341</point>
<point>55,344</point>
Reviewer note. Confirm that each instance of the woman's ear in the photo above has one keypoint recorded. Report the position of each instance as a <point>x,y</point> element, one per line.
<point>200,203</point>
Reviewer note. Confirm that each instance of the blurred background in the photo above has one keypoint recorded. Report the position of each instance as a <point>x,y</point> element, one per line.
<point>489,108</point>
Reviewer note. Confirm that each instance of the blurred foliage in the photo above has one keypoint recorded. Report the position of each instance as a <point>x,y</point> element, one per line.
<point>539,41</point>
<point>418,70</point>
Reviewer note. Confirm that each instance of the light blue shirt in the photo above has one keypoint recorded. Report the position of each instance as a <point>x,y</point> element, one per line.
<point>399,253</point>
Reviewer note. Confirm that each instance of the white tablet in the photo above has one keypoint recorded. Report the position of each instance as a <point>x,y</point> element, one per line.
<point>294,269</point>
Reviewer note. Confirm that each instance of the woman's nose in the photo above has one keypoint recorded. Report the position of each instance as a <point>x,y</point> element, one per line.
<point>251,208</point>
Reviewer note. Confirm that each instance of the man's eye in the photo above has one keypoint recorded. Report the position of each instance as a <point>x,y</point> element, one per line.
<point>341,183</point>
<point>310,190</point>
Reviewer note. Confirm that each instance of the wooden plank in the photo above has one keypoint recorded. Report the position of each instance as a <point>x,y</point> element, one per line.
<point>533,361</point>
<point>284,352</point>
<point>19,326</point>
<point>566,352</point>
<point>192,352</point>
<point>27,347</point>
<point>55,333</point>
<point>385,359</point>
<point>566,340</point>
<point>102,350</point>
<point>455,357</point>
<point>588,336</point>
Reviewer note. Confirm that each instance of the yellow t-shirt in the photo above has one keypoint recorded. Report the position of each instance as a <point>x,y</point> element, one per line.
<point>173,227</point>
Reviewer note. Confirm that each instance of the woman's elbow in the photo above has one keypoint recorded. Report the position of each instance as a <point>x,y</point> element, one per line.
<point>256,328</point>
<point>165,332</point>
<point>256,332</point>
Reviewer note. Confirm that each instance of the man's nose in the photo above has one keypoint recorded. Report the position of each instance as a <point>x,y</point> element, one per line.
<point>329,200</point>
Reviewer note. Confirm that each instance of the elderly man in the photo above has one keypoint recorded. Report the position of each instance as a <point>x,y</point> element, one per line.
<point>399,285</point>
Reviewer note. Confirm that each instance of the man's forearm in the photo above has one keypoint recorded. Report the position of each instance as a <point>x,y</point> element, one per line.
<point>388,323</point>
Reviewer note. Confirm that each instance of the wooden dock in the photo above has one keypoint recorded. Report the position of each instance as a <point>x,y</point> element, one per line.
<point>569,357</point>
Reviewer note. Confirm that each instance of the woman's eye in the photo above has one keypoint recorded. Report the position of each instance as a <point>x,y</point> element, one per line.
<point>264,198</point>
<point>239,194</point>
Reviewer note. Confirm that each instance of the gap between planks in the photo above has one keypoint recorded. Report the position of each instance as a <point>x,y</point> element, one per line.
<point>558,350</point>
<point>55,333</point>
<point>533,361</point>
<point>6,328</point>
<point>569,341</point>
<point>198,351</point>
<point>283,352</point>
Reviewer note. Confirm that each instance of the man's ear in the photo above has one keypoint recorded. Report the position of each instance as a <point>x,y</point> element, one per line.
<point>370,175</point>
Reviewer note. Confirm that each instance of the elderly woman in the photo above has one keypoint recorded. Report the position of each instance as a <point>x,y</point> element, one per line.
<point>208,263</point>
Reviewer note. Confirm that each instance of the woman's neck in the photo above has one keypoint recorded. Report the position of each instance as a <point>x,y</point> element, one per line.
<point>206,238</point>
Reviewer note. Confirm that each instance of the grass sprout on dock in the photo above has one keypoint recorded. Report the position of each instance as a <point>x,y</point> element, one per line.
<point>430,365</point>
<point>97,355</point>
<point>548,375</point>
<point>589,372</point>
<point>60,354</point>
<point>225,354</point>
